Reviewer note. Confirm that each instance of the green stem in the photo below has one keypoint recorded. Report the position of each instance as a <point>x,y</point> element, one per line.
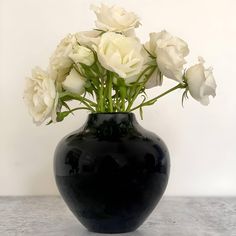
<point>117,107</point>
<point>83,100</point>
<point>122,96</point>
<point>80,98</point>
<point>109,78</point>
<point>143,73</point>
<point>123,104</point>
<point>80,108</point>
<point>152,101</point>
<point>89,107</point>
<point>101,97</point>
<point>140,87</point>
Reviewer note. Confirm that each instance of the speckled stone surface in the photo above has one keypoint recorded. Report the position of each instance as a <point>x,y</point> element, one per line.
<point>174,216</point>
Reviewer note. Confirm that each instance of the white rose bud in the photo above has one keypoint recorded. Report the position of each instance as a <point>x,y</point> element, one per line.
<point>201,83</point>
<point>83,55</point>
<point>116,19</point>
<point>60,63</point>
<point>120,54</point>
<point>41,96</point>
<point>74,82</point>
<point>169,52</point>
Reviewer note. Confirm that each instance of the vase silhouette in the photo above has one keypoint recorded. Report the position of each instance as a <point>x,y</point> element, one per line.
<point>111,172</point>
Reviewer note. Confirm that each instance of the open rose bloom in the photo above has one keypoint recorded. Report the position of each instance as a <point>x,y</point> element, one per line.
<point>107,68</point>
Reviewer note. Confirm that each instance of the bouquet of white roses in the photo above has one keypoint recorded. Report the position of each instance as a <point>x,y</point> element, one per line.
<point>108,68</point>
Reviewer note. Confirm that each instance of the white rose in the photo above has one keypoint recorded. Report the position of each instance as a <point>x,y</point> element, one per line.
<point>88,38</point>
<point>60,62</point>
<point>201,83</point>
<point>169,52</point>
<point>154,77</point>
<point>74,82</point>
<point>120,54</point>
<point>83,55</point>
<point>41,96</point>
<point>113,18</point>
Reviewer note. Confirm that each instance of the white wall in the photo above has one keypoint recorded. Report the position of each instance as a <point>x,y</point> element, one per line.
<point>201,140</point>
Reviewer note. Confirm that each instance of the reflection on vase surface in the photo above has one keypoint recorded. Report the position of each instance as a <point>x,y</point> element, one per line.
<point>111,172</point>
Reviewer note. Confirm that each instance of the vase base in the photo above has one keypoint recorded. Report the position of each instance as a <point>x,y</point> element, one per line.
<point>112,231</point>
<point>110,226</point>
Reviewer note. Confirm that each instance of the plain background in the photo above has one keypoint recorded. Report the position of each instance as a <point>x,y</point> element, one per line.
<point>201,140</point>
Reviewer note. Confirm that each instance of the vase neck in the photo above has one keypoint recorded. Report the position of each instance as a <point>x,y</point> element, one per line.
<point>98,119</point>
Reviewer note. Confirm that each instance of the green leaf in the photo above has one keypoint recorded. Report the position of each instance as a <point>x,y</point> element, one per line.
<point>89,88</point>
<point>63,103</point>
<point>65,96</point>
<point>50,122</point>
<point>61,115</point>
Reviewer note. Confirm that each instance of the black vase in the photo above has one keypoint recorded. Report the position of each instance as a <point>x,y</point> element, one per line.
<point>111,172</point>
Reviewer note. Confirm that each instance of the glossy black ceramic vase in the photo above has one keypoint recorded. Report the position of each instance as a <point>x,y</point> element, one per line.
<point>111,172</point>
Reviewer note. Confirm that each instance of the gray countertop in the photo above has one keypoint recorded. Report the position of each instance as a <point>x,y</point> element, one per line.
<point>174,216</point>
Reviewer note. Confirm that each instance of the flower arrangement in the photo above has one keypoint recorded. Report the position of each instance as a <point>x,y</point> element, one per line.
<point>108,68</point>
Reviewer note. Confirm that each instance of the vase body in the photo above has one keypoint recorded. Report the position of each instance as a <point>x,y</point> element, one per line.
<point>111,172</point>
